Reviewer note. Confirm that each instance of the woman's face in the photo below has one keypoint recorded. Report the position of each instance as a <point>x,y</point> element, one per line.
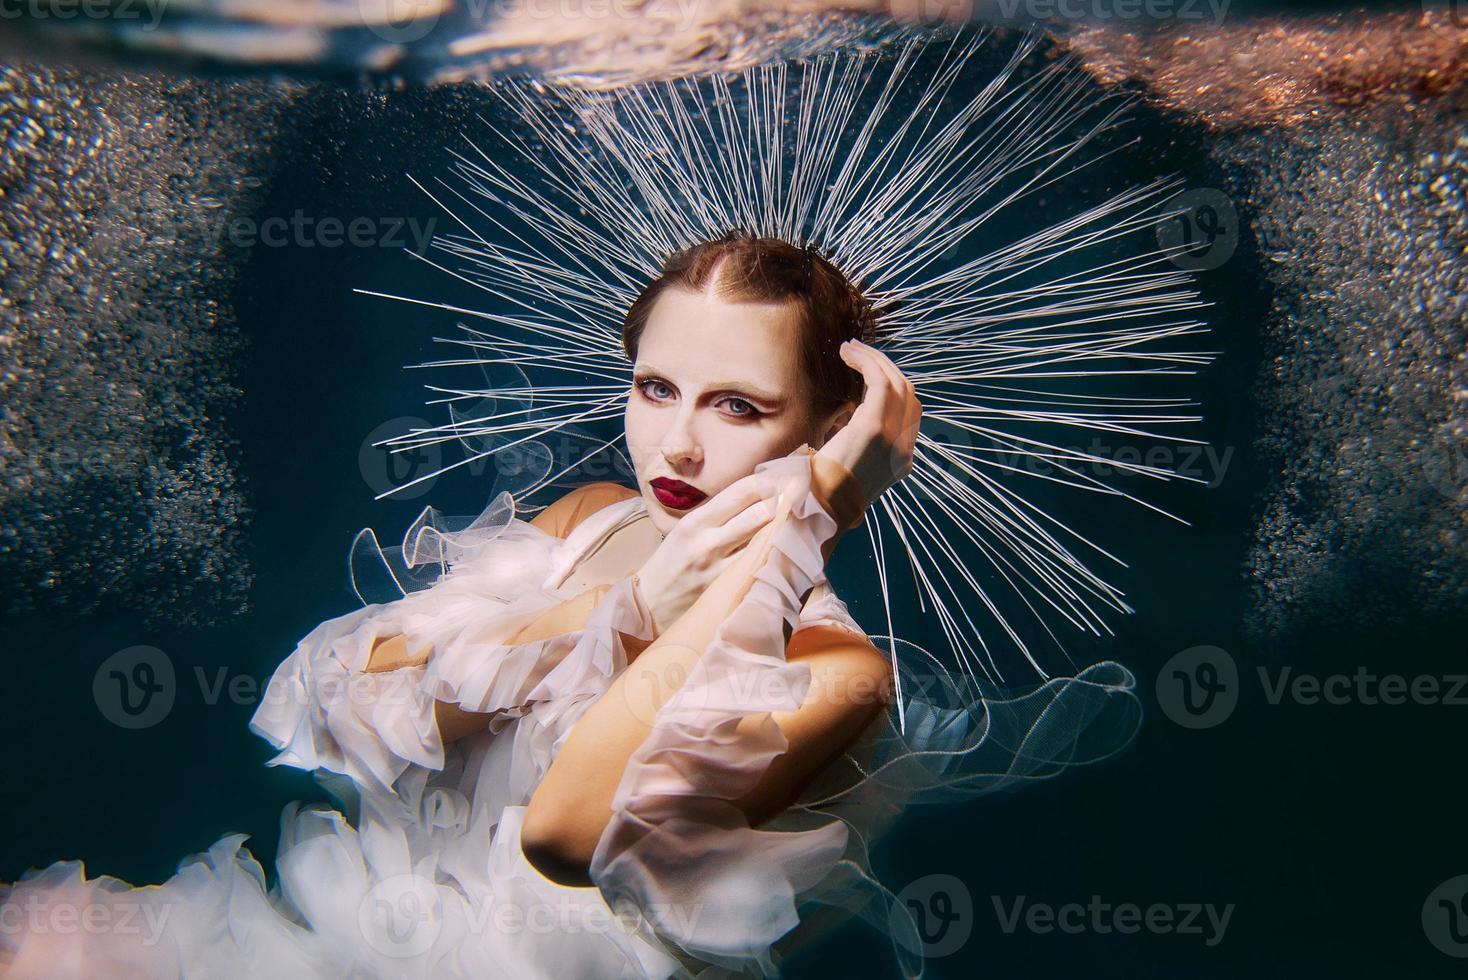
<point>717,389</point>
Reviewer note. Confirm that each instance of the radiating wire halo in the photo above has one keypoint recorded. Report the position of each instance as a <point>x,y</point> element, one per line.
<point>912,185</point>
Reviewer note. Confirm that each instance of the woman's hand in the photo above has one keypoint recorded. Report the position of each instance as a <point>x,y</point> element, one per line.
<point>869,454</point>
<point>876,445</point>
<point>699,547</point>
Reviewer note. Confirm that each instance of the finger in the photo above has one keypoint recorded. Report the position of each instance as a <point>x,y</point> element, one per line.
<point>748,558</point>
<point>728,502</point>
<point>890,371</point>
<point>737,531</point>
<point>900,417</point>
<point>878,383</point>
<point>901,414</point>
<point>888,366</point>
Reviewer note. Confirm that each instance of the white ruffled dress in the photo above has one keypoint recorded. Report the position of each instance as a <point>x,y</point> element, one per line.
<point>421,873</point>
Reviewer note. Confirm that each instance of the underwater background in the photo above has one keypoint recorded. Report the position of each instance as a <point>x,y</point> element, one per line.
<point>186,430</point>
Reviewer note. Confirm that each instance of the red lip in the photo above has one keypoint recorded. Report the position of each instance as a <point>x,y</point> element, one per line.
<point>675,494</point>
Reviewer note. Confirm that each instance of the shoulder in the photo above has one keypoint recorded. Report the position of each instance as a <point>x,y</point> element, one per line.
<point>561,517</point>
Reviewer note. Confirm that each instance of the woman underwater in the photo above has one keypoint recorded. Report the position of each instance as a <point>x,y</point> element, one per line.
<point>513,782</point>
<point>639,735</point>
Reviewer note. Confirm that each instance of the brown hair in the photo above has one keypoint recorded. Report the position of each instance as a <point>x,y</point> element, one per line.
<point>769,270</point>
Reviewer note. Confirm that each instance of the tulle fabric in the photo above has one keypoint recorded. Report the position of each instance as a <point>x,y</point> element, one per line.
<point>421,874</point>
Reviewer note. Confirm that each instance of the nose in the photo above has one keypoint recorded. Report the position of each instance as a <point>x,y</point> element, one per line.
<point>681,447</point>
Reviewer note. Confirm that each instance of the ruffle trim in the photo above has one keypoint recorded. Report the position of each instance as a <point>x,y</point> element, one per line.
<point>323,711</point>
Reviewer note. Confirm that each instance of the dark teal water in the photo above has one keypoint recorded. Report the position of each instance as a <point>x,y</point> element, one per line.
<point>1324,826</point>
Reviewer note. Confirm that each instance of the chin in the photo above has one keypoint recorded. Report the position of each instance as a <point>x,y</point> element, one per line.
<point>661,517</point>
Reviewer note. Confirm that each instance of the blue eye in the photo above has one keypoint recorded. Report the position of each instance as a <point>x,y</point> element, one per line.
<point>751,411</point>
<point>643,385</point>
<point>742,410</point>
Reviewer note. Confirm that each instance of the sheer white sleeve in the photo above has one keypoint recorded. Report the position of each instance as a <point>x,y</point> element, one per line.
<point>676,845</point>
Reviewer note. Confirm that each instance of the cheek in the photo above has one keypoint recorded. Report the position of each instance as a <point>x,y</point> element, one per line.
<point>748,446</point>
<point>638,426</point>
<point>790,433</point>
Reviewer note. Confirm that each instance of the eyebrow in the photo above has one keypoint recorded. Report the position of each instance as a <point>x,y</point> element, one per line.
<point>739,386</point>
